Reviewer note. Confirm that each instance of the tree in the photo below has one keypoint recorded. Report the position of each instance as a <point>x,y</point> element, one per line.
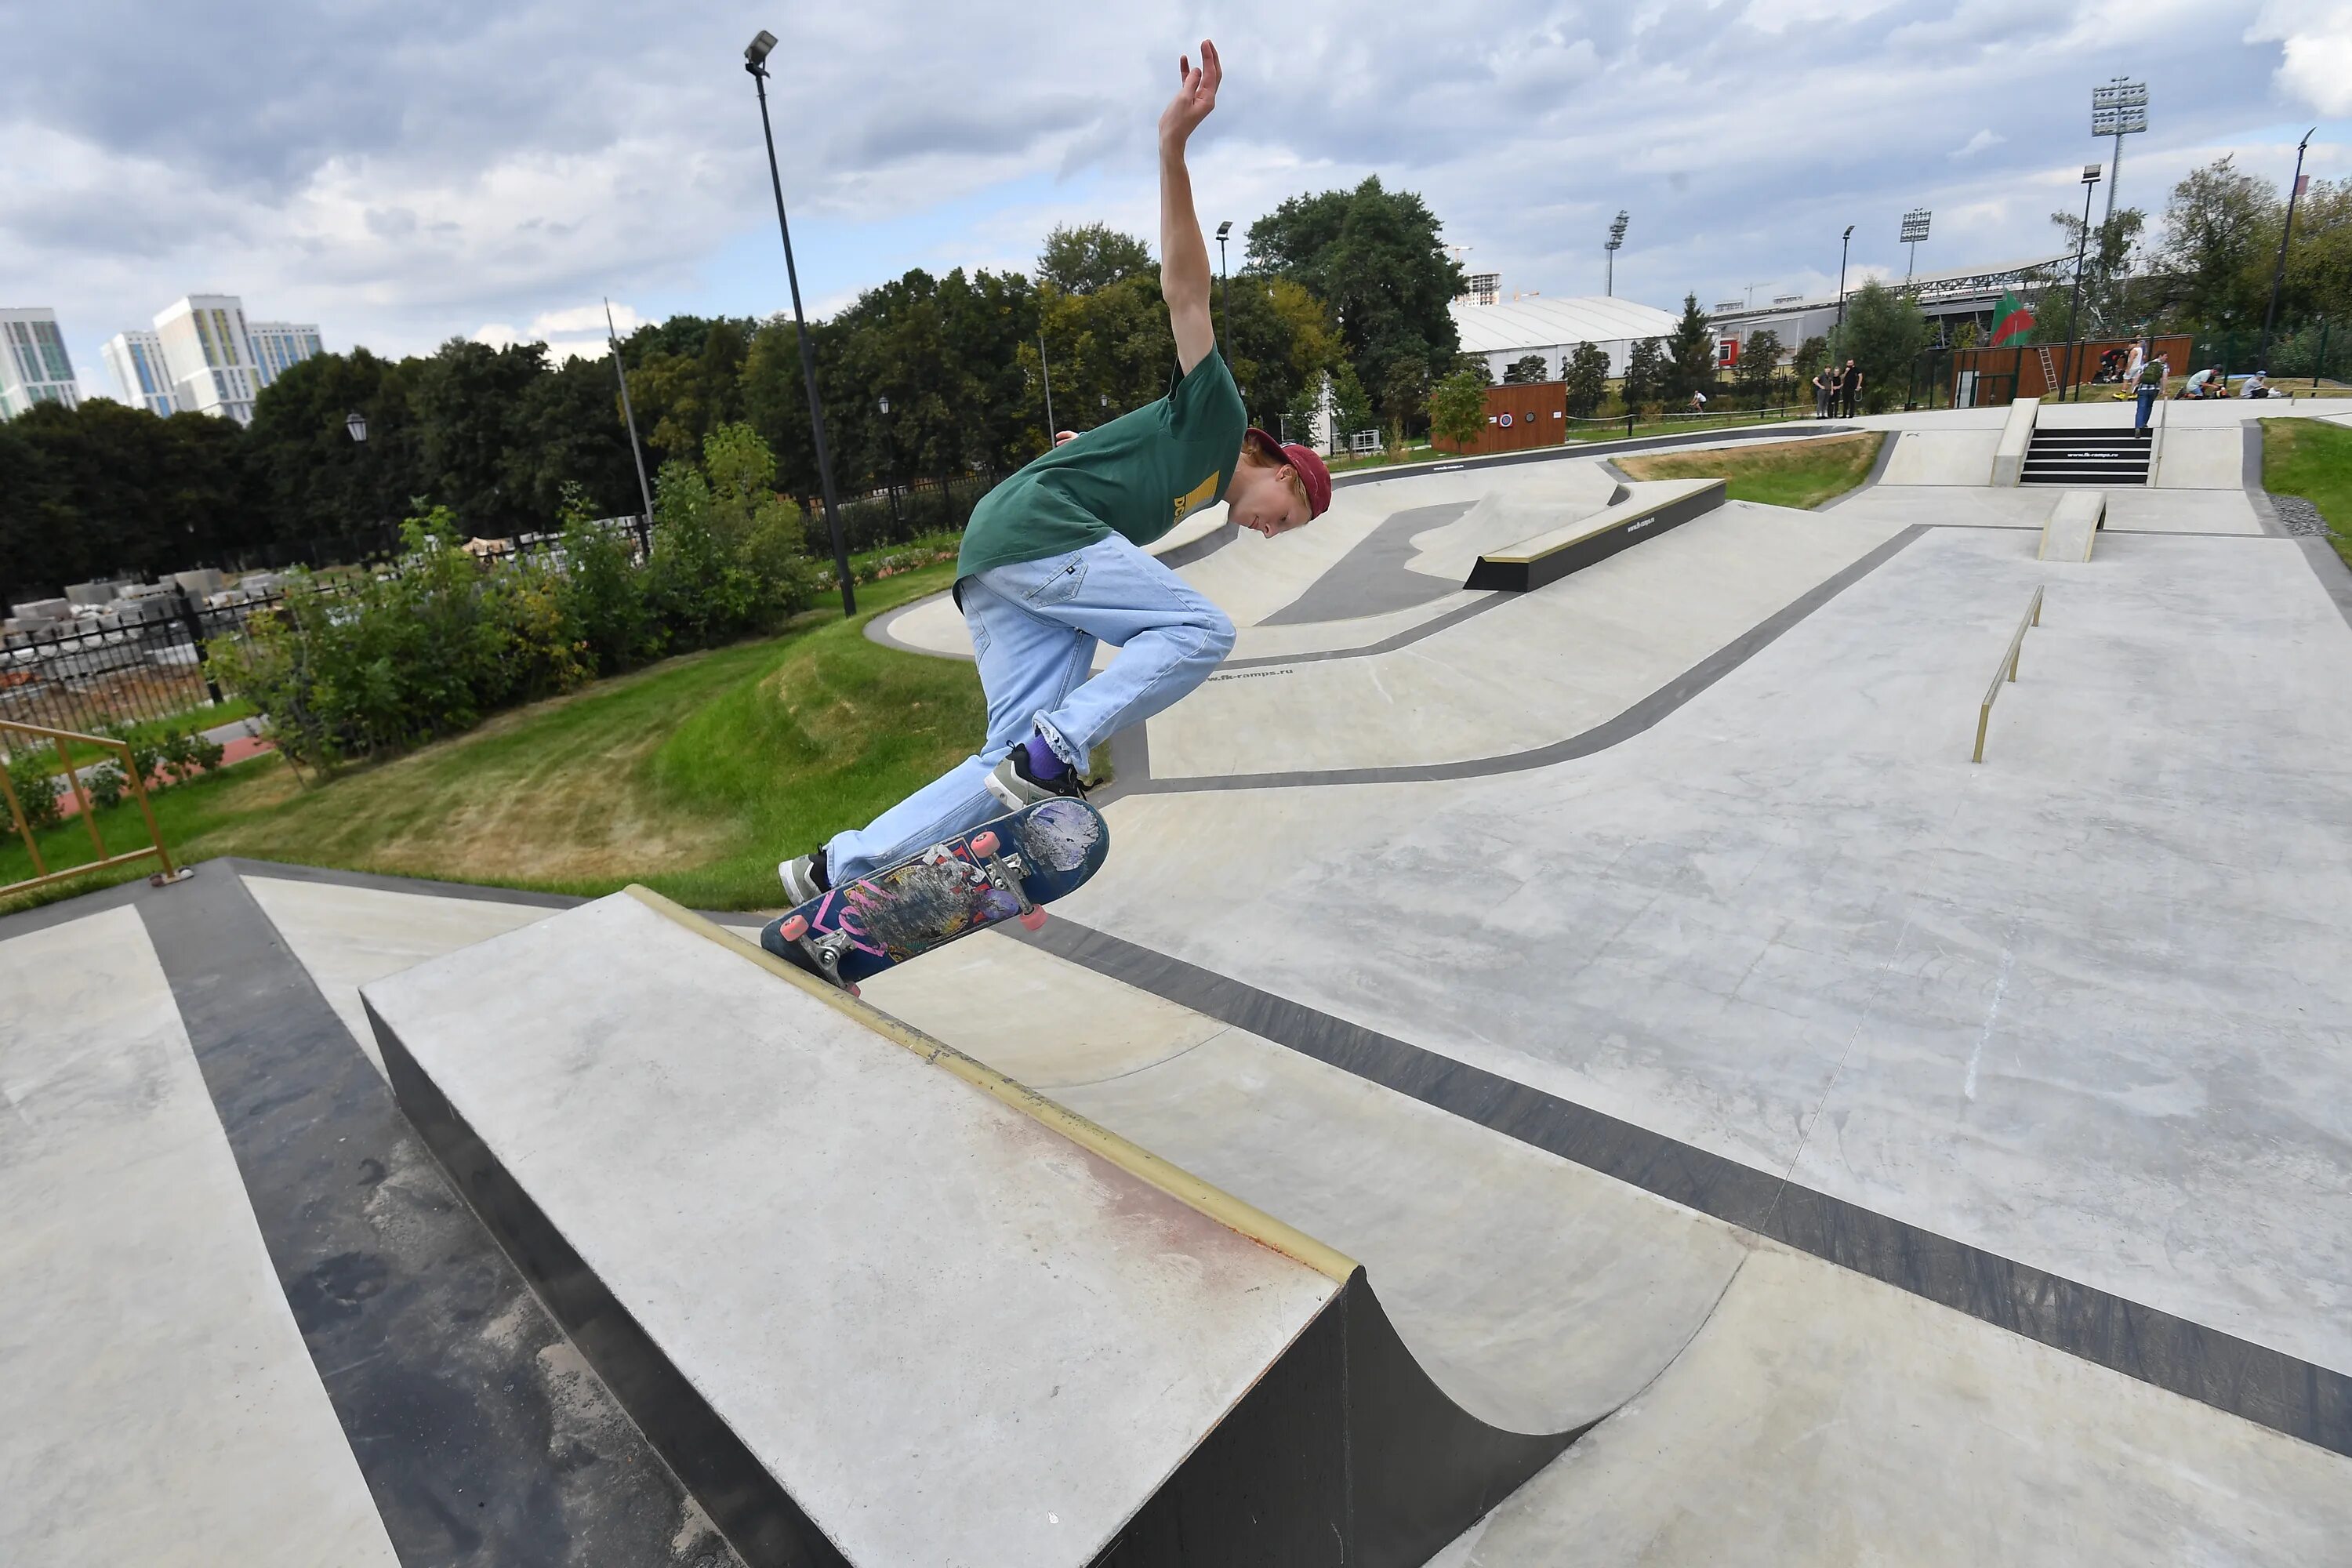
<point>2114,302</point>
<point>1526,368</point>
<point>1645,374</point>
<point>1882,334</point>
<point>1690,353</point>
<point>1587,374</point>
<point>1374,256</point>
<point>466,400</point>
<point>1091,256</point>
<point>1811,355</point>
<point>2220,226</point>
<point>1457,409</point>
<point>1279,341</point>
<point>1759,359</point>
<point>1351,409</point>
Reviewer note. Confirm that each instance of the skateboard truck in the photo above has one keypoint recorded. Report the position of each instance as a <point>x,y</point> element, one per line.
<point>823,952</point>
<point>1004,872</point>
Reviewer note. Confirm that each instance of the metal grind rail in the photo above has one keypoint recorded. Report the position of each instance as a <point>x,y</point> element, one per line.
<point>2006,671</point>
<point>137,786</point>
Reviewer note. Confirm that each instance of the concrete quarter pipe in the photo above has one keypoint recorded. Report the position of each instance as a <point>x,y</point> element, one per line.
<point>877,1304</point>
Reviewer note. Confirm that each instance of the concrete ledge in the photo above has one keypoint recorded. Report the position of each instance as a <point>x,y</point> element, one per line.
<point>2016,435</point>
<point>875,1311</point>
<point>1548,557</point>
<point>2072,526</point>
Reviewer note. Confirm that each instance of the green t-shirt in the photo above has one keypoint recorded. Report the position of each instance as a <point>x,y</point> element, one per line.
<point>1138,476</point>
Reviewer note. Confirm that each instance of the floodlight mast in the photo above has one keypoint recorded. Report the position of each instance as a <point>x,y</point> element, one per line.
<point>1616,238</point>
<point>2119,110</point>
<point>1915,229</point>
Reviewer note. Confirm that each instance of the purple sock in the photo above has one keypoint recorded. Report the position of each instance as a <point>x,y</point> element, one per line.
<point>1045,762</point>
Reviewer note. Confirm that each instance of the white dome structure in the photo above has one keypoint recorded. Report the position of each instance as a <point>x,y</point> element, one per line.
<point>1553,327</point>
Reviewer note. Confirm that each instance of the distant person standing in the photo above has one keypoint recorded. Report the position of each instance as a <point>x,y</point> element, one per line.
<point>1825,393</point>
<point>1850,387</point>
<point>2146,387</point>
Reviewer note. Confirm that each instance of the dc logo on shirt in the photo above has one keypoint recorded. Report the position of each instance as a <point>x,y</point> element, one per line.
<point>1201,494</point>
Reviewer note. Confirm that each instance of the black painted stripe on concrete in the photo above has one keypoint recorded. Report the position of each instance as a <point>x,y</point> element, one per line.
<point>1641,716</point>
<point>2265,1386</point>
<point>483,1438</point>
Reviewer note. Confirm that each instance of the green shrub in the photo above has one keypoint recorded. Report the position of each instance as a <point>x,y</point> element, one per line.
<point>429,648</point>
<point>36,789</point>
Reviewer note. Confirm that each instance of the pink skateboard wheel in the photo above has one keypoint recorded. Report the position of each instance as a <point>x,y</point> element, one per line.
<point>1033,920</point>
<point>983,844</point>
<point>794,928</point>
<point>853,990</point>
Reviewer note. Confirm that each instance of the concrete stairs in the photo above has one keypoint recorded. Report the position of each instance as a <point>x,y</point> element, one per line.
<point>2085,458</point>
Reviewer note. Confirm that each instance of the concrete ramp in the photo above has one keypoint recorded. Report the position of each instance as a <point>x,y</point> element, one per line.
<point>1939,457</point>
<point>2072,526</point>
<point>877,1304</point>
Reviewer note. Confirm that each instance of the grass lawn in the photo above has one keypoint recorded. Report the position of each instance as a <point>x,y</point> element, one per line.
<point>1791,473</point>
<point>2305,458</point>
<point>693,776</point>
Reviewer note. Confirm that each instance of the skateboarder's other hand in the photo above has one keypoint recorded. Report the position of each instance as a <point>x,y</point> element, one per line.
<point>1194,97</point>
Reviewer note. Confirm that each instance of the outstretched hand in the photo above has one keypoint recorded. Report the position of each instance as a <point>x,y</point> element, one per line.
<point>1194,97</point>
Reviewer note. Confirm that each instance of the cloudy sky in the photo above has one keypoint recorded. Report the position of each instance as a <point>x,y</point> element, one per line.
<point>405,173</point>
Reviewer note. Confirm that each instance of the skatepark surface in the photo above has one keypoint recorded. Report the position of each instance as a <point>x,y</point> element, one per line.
<point>1888,1157</point>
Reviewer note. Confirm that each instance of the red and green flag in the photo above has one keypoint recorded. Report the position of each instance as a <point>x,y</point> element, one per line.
<point>2010,319</point>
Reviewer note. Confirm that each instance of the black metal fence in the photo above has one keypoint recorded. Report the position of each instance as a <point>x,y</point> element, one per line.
<point>145,662</point>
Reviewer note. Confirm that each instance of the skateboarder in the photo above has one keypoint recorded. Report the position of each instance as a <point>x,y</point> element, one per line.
<point>1053,561</point>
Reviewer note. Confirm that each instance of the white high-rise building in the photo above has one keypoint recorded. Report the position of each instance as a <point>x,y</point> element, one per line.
<point>34,364</point>
<point>211,356</point>
<point>277,346</point>
<point>141,372</point>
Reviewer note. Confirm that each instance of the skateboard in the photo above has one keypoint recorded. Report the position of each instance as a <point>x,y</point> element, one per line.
<point>1009,868</point>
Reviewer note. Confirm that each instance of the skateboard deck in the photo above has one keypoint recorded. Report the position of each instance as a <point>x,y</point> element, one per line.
<point>1009,868</point>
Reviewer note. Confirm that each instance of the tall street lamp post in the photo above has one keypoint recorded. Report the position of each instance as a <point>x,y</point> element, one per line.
<point>1616,238</point>
<point>636,452</point>
<point>1046,372</point>
<point>890,445</point>
<point>1224,320</point>
<point>2075,310</point>
<point>1844,245</point>
<point>755,61</point>
<point>2278,273</point>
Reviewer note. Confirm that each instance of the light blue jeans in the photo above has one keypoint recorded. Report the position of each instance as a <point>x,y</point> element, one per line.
<point>1033,628</point>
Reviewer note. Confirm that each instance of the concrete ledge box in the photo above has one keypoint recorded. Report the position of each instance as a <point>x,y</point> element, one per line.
<point>2016,435</point>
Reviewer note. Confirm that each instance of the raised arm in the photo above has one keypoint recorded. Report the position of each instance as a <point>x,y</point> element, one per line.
<point>1183,254</point>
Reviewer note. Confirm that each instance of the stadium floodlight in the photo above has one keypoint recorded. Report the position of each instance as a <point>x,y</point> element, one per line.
<point>755,53</point>
<point>2119,110</point>
<point>1616,238</point>
<point>1915,229</point>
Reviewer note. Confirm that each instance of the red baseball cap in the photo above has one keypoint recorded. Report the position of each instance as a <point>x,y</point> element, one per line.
<point>1305,463</point>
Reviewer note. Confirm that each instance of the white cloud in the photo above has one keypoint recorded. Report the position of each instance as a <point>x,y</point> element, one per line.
<point>495,166</point>
<point>2315,39</point>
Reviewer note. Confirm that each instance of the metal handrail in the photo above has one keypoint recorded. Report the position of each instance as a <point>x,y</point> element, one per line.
<point>42,876</point>
<point>2006,671</point>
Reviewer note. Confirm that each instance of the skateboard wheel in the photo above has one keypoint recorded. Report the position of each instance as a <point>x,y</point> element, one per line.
<point>794,928</point>
<point>983,844</point>
<point>1033,920</point>
<point>853,990</point>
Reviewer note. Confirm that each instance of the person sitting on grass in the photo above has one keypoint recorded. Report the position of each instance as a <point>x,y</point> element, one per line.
<point>1053,561</point>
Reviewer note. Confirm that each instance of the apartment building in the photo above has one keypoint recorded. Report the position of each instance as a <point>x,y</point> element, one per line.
<point>34,364</point>
<point>141,373</point>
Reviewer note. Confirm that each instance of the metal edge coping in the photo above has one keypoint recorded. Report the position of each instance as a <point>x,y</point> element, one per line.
<point>1212,1201</point>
